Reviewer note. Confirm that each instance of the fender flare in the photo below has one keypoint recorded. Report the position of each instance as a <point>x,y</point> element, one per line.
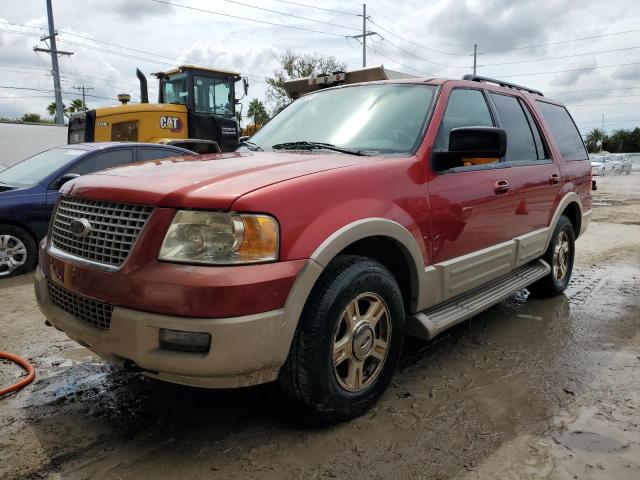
<point>569,198</point>
<point>377,227</point>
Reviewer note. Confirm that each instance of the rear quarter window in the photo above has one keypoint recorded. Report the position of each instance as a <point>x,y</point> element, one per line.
<point>564,131</point>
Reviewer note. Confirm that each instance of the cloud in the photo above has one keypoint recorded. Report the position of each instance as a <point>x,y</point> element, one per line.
<point>138,10</point>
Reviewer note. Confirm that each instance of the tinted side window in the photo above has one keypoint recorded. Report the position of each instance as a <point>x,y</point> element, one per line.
<point>156,153</point>
<point>537,137</point>
<point>564,131</point>
<point>520,145</point>
<point>100,161</point>
<point>466,108</point>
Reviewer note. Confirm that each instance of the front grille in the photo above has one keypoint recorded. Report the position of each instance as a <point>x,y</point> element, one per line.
<point>84,309</point>
<point>114,229</point>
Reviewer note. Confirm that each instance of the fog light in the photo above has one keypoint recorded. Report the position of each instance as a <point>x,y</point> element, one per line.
<point>185,341</point>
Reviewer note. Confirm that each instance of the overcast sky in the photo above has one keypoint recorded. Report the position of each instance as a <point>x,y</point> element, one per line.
<point>422,37</point>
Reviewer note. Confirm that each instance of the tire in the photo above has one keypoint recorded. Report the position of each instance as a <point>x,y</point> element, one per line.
<point>329,390</point>
<point>18,251</point>
<point>561,262</point>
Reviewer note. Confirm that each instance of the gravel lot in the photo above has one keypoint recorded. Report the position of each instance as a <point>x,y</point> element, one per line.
<point>529,389</point>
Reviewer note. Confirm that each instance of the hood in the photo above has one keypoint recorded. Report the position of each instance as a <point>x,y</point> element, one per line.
<point>596,164</point>
<point>206,181</point>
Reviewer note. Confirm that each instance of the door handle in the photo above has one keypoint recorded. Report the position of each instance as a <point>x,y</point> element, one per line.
<point>501,186</point>
<point>554,178</point>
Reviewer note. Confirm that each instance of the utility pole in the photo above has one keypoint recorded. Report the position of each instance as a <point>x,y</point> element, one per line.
<point>55,71</point>
<point>82,88</point>
<point>364,35</point>
<point>475,56</point>
<point>602,135</point>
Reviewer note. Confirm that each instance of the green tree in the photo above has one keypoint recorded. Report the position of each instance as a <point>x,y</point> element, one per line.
<point>258,112</point>
<point>595,139</point>
<point>75,106</point>
<point>296,65</point>
<point>51,108</point>
<point>31,117</point>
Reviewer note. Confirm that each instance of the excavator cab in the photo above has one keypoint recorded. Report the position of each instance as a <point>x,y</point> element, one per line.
<point>196,109</point>
<point>210,97</point>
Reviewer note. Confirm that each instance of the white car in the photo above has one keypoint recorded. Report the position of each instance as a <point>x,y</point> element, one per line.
<point>601,167</point>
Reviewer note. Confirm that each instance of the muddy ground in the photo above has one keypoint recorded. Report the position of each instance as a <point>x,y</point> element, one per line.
<point>529,389</point>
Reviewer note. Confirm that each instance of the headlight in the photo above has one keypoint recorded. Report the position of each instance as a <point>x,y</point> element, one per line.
<point>219,238</point>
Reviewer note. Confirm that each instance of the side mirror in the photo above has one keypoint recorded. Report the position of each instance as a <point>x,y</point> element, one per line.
<point>245,85</point>
<point>472,146</point>
<point>67,177</point>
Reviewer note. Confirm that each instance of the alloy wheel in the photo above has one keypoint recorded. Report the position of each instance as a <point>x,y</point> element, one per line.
<point>561,255</point>
<point>361,342</point>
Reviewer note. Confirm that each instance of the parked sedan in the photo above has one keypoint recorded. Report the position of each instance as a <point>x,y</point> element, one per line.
<point>29,191</point>
<point>621,164</point>
<point>601,166</point>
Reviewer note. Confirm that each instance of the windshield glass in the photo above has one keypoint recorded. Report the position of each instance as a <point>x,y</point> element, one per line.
<point>174,89</point>
<point>34,169</point>
<point>386,118</point>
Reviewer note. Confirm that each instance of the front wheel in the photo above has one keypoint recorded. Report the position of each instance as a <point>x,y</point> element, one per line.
<point>18,251</point>
<point>559,256</point>
<point>348,341</point>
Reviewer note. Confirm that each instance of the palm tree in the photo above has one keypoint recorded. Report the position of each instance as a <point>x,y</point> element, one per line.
<point>594,139</point>
<point>51,108</point>
<point>76,106</point>
<point>258,111</point>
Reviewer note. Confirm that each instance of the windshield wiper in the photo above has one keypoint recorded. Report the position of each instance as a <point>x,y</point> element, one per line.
<point>250,145</point>
<point>317,145</point>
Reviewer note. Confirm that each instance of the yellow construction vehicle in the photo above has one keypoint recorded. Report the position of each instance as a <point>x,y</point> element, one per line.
<point>196,109</point>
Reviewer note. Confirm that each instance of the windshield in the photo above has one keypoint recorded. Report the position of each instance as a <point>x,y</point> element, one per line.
<point>174,89</point>
<point>34,169</point>
<point>384,118</point>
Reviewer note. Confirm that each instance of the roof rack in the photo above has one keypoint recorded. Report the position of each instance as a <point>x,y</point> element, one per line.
<point>476,78</point>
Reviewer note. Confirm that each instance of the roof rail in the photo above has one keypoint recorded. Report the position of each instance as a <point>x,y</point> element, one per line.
<point>476,78</point>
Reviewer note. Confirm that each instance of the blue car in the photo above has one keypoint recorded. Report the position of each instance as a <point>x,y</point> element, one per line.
<point>29,191</point>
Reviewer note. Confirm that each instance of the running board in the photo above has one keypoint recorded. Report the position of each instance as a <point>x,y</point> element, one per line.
<point>429,323</point>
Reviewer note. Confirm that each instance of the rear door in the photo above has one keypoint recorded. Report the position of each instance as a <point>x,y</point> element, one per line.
<point>536,180</point>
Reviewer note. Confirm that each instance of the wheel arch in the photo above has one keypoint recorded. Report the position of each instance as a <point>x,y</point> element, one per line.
<point>570,206</point>
<point>21,226</point>
<point>386,241</point>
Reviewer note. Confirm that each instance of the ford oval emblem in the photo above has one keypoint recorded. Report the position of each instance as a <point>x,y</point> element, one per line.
<point>80,227</point>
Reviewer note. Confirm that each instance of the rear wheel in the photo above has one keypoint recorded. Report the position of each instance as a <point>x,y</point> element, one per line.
<point>559,256</point>
<point>18,251</point>
<point>348,341</point>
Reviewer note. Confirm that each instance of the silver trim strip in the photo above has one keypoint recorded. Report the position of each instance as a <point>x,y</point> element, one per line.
<point>83,262</point>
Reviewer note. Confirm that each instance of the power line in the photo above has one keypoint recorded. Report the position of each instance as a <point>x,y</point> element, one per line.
<point>319,8</point>
<point>238,17</point>
<point>418,44</point>
<point>595,90</point>
<point>289,14</point>
<point>561,57</point>
<point>11,87</point>
<point>559,42</point>
<point>377,52</point>
<point>570,70</point>
<point>604,104</point>
<point>420,58</point>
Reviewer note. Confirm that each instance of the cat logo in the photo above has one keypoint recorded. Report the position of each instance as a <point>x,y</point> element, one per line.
<point>171,123</point>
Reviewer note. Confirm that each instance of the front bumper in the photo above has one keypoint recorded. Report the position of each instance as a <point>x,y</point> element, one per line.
<point>245,350</point>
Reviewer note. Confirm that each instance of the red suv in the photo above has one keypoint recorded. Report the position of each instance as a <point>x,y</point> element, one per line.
<point>358,214</point>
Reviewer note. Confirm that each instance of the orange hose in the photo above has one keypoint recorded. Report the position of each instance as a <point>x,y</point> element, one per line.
<point>31,373</point>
